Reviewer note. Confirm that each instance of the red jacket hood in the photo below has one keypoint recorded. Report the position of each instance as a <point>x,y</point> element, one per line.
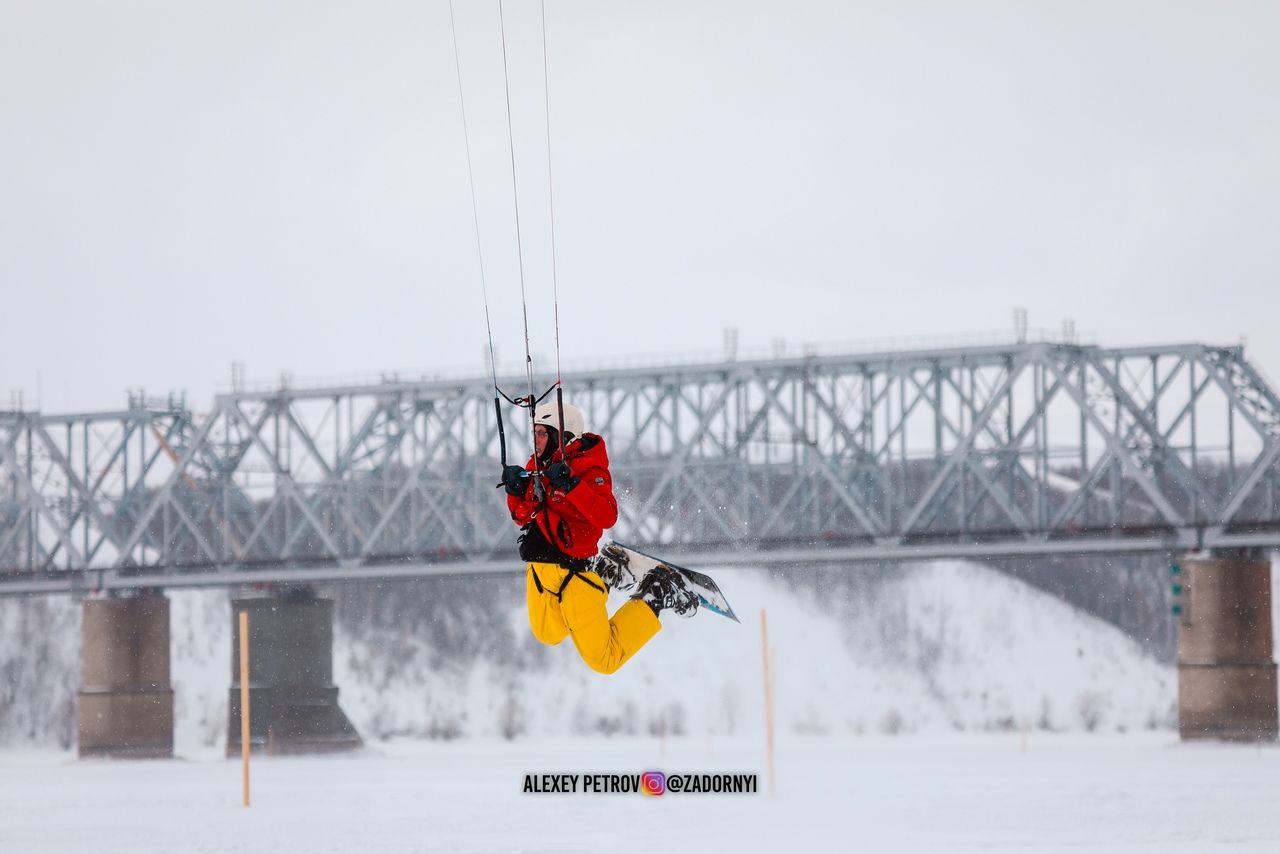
<point>589,449</point>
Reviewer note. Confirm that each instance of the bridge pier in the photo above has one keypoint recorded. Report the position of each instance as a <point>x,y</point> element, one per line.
<point>1226,673</point>
<point>293,703</point>
<point>125,706</point>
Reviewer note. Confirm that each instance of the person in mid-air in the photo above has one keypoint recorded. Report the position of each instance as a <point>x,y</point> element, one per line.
<point>563,501</point>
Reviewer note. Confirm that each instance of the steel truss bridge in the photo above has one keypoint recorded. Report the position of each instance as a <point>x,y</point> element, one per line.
<point>1018,450</point>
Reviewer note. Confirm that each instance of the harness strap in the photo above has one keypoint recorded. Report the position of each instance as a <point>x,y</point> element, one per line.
<point>569,574</point>
<point>577,573</point>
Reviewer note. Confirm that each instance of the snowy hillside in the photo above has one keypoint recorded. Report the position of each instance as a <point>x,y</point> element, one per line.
<point>930,648</point>
<point>937,647</point>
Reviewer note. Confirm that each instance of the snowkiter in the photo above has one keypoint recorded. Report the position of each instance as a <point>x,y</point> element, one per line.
<point>563,513</point>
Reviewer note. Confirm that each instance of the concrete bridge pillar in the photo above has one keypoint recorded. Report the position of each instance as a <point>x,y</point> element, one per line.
<point>293,703</point>
<point>1226,673</point>
<point>125,705</point>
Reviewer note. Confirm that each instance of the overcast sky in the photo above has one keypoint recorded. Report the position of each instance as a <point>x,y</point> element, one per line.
<point>183,185</point>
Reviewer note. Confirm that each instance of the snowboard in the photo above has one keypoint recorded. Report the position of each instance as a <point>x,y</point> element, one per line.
<point>708,592</point>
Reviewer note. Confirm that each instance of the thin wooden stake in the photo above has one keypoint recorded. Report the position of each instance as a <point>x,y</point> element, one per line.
<point>244,699</point>
<point>768,696</point>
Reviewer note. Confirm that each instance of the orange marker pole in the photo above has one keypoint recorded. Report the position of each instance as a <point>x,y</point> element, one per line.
<point>768,696</point>
<point>244,699</point>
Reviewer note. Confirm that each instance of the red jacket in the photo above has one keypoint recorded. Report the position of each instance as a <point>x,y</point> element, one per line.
<point>574,521</point>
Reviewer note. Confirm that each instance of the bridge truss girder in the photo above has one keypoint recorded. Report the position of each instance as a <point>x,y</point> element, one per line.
<point>1025,449</point>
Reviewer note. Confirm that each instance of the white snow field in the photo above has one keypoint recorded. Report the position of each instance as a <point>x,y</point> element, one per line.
<point>927,793</point>
<point>949,708</point>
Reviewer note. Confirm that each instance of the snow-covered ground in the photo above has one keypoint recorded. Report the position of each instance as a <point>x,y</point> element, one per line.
<point>928,793</point>
<point>941,707</point>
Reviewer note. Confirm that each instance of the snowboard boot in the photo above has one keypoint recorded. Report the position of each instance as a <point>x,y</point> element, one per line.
<point>613,565</point>
<point>664,589</point>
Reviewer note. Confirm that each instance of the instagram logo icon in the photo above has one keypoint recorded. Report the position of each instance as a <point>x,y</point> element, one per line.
<point>653,782</point>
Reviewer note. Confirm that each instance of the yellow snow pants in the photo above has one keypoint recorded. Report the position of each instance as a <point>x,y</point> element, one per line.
<point>581,611</point>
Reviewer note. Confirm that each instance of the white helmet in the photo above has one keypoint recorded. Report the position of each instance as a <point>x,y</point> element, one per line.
<point>548,414</point>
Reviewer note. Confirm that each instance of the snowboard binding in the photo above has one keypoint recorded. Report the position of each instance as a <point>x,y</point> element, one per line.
<point>664,589</point>
<point>613,565</point>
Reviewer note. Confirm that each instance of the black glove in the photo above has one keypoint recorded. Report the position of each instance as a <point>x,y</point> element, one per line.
<point>561,478</point>
<point>513,478</point>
